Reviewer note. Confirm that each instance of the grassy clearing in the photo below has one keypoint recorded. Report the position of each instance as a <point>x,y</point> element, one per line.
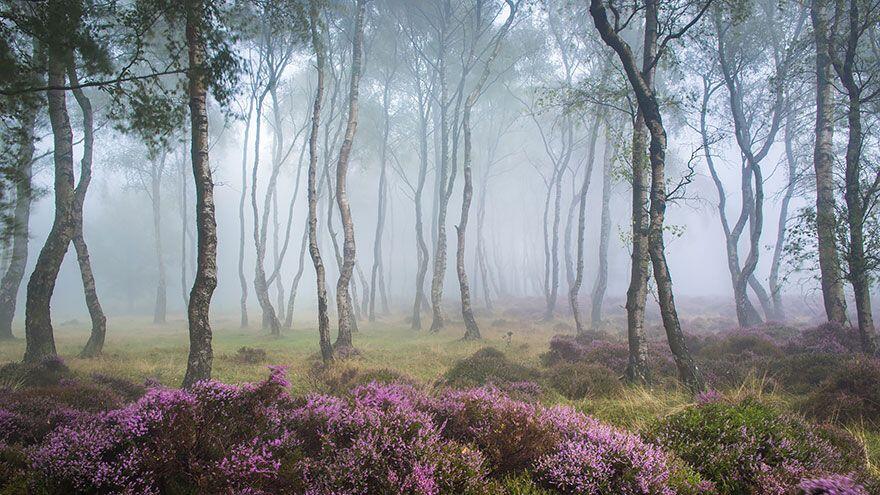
<point>136,349</point>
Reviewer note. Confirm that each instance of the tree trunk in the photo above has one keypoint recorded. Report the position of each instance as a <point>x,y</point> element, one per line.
<point>553,289</point>
<point>421,245</point>
<point>637,293</point>
<point>242,279</point>
<point>437,321</point>
<point>601,282</point>
<point>261,286</point>
<point>288,319</point>
<point>99,322</point>
<point>855,201</point>
<point>11,281</point>
<point>823,163</point>
<point>344,342</point>
<point>383,193</point>
<point>782,226</point>
<point>314,250</point>
<point>650,109</point>
<point>574,291</point>
<point>41,285</point>
<point>160,309</point>
<point>201,355</point>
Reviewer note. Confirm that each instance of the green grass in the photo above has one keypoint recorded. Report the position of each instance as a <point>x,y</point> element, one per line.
<point>136,349</point>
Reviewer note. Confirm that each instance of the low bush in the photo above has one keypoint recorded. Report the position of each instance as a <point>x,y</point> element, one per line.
<point>850,394</point>
<point>828,338</point>
<point>581,380</point>
<point>488,365</point>
<point>747,447</point>
<point>341,378</point>
<point>48,371</point>
<point>831,485</point>
<point>250,355</point>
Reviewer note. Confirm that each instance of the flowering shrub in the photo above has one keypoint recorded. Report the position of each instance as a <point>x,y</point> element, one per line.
<point>831,485</point>
<point>828,338</point>
<point>747,447</point>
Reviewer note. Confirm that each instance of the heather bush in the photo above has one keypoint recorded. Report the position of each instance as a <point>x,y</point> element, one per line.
<point>129,391</point>
<point>741,344</point>
<point>850,394</point>
<point>828,338</point>
<point>746,447</point>
<point>379,442</point>
<point>488,365</point>
<point>340,378</point>
<point>802,373</point>
<point>510,434</point>
<point>831,485</point>
<point>581,380</point>
<point>48,371</point>
<point>250,355</point>
<point>172,440</point>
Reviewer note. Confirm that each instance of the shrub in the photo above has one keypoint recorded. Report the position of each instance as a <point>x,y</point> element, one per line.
<point>510,434</point>
<point>802,373</point>
<point>740,345</point>
<point>746,447</point>
<point>582,380</point>
<point>828,338</point>
<point>129,391</point>
<point>340,379</point>
<point>48,371</point>
<point>378,442</point>
<point>831,485</point>
<point>488,365</point>
<point>250,355</point>
<point>850,394</point>
<point>172,440</point>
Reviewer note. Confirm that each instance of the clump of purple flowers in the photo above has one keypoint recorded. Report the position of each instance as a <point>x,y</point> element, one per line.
<point>831,485</point>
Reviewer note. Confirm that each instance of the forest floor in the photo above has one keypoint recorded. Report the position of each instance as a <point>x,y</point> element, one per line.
<point>138,350</point>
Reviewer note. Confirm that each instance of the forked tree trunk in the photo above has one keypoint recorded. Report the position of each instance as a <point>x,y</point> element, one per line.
<point>650,108</point>
<point>314,249</point>
<point>376,271</point>
<point>823,164</point>
<point>344,342</point>
<point>99,322</point>
<point>421,245</point>
<point>41,285</point>
<point>261,286</point>
<point>601,282</point>
<point>11,281</point>
<point>201,355</point>
<point>859,274</point>
<point>574,290</point>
